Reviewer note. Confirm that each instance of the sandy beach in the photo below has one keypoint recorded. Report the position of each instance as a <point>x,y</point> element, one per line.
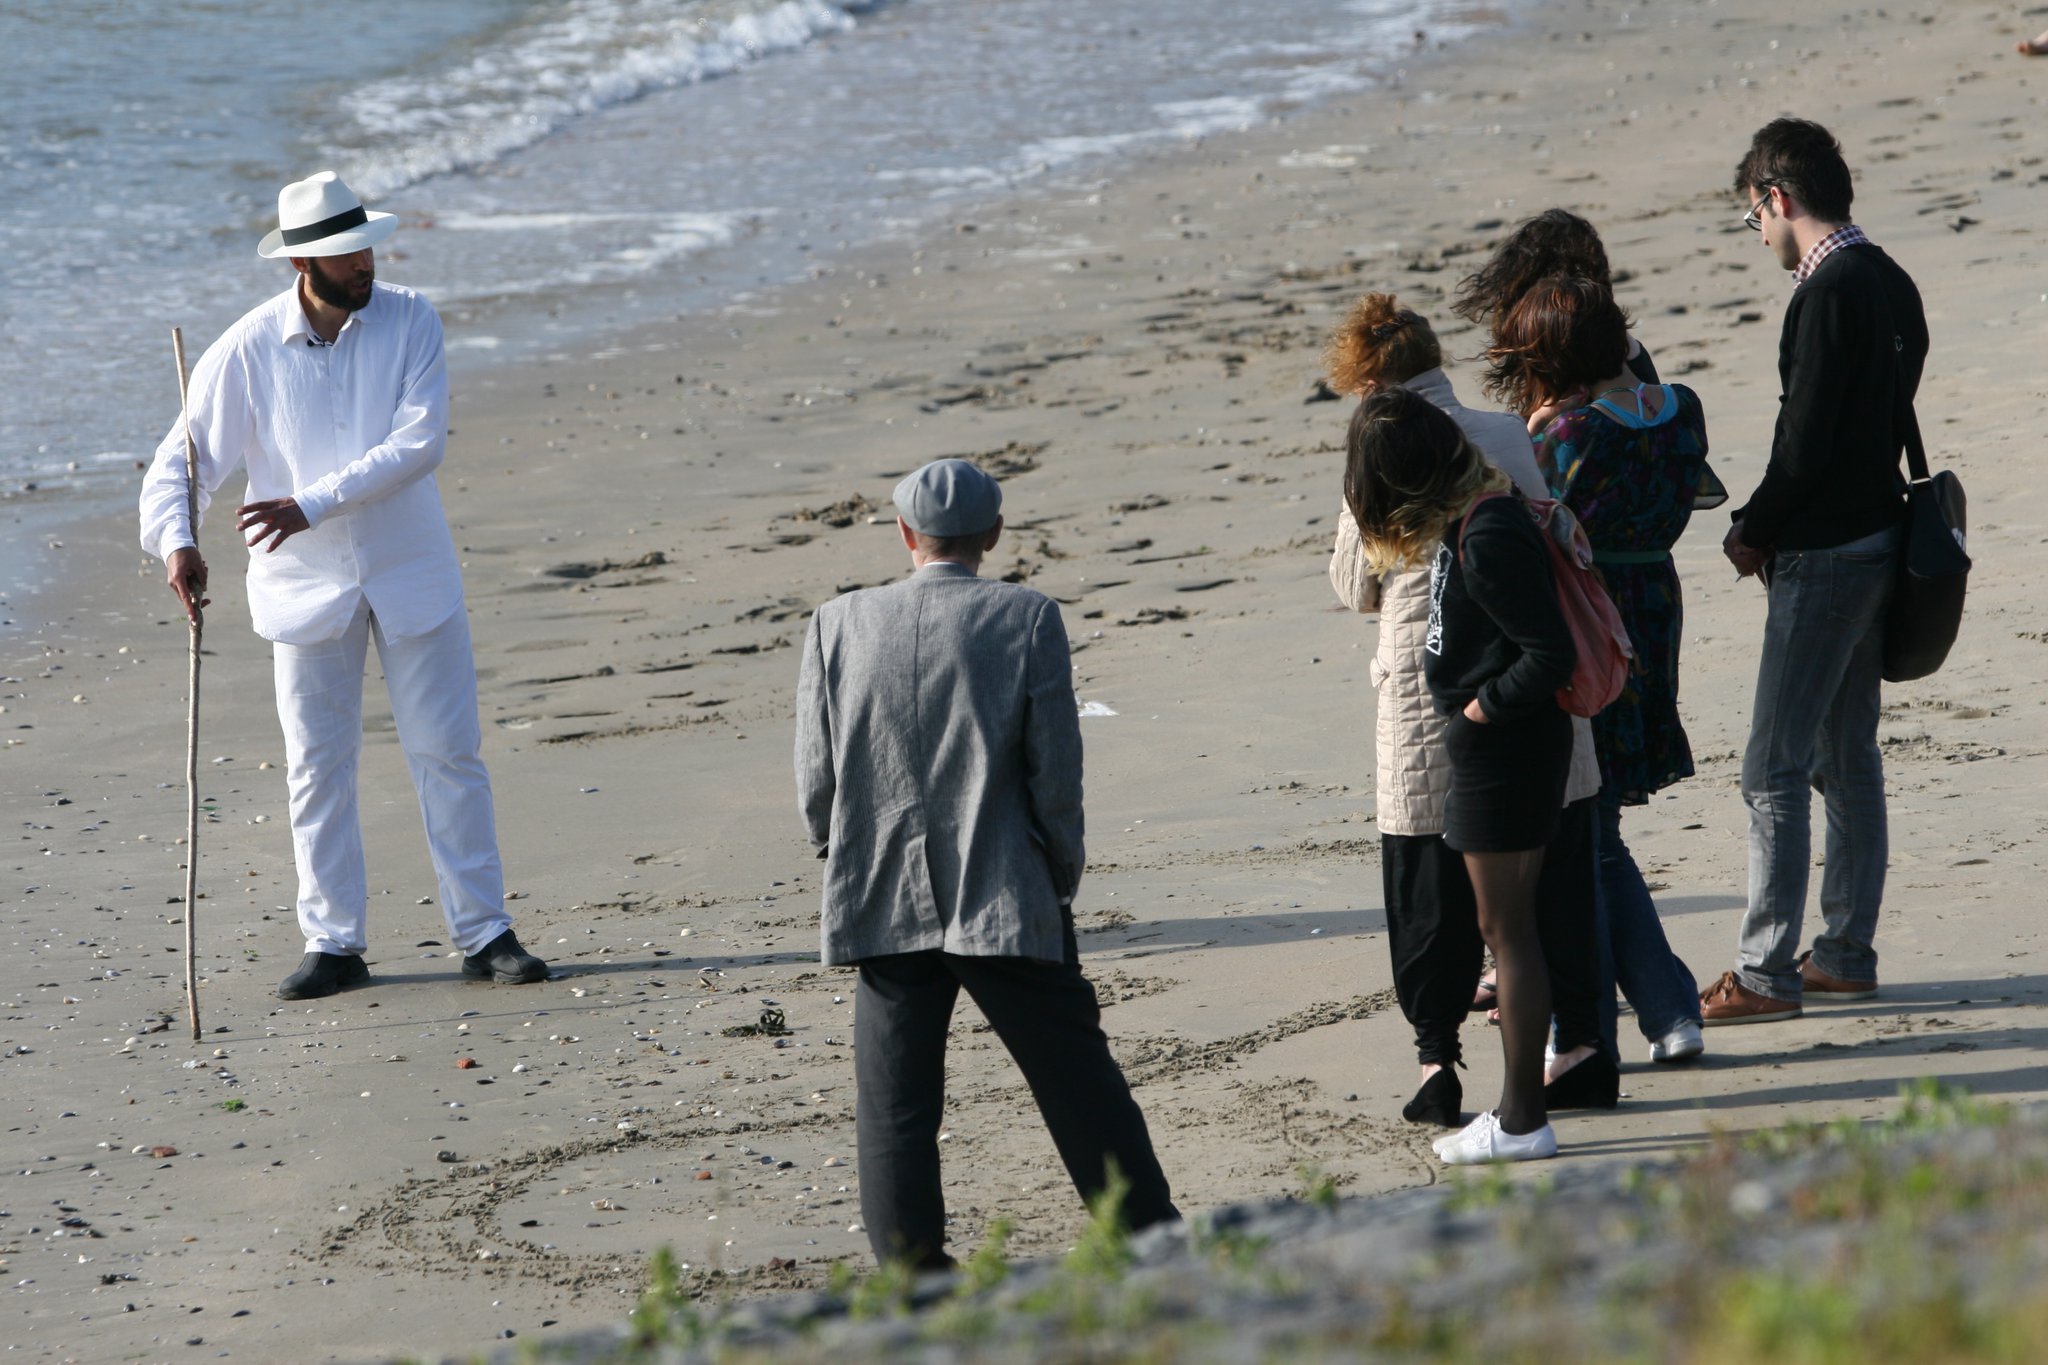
<point>644,530</point>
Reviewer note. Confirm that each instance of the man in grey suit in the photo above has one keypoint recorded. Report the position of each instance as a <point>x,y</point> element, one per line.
<point>938,767</point>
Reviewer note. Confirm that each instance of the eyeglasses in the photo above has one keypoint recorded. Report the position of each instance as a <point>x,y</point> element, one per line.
<point>1753,220</point>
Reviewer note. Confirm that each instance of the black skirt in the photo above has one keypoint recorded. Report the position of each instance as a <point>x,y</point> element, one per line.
<point>1507,781</point>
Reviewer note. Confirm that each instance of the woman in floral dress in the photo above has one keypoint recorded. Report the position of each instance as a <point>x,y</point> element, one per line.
<point>1630,460</point>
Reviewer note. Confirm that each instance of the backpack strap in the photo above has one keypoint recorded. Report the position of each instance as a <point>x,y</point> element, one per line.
<point>1462,521</point>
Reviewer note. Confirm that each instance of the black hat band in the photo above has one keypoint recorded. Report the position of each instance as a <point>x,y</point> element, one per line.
<point>326,227</point>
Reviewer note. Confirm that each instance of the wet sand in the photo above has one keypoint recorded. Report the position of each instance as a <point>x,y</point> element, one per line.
<point>644,530</point>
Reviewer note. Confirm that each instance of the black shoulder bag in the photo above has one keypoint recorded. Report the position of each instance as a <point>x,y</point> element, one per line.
<point>1934,564</point>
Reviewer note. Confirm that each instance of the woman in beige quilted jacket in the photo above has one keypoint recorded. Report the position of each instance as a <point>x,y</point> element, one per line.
<point>1432,922</point>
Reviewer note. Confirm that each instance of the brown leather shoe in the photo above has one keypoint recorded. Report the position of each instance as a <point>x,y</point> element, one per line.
<point>1820,986</point>
<point>1728,1001</point>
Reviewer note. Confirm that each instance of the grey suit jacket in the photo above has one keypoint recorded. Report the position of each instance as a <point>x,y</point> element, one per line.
<point>938,767</point>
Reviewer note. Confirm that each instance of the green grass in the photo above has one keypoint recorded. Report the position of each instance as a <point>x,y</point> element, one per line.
<point>1841,1317</point>
<point>1925,1106</point>
<point>1702,1264</point>
<point>1318,1188</point>
<point>667,1314</point>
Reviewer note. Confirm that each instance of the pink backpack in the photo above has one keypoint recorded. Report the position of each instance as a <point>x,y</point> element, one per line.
<point>1604,652</point>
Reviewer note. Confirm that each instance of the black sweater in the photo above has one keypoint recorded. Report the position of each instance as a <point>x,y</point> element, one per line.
<point>1833,475</point>
<point>1495,629</point>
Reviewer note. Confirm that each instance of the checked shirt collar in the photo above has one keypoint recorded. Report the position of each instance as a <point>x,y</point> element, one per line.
<point>1827,246</point>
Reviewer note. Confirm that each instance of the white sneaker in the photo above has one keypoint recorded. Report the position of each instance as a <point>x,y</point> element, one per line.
<point>1485,1140</point>
<point>1447,1139</point>
<point>1682,1044</point>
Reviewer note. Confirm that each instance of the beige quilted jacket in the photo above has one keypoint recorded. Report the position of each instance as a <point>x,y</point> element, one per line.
<point>1414,764</point>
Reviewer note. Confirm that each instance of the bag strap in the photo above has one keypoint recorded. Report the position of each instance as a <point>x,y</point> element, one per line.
<point>1916,453</point>
<point>1904,417</point>
<point>1464,520</point>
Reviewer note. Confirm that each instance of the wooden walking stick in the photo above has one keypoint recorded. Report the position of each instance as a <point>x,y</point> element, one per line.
<point>196,623</point>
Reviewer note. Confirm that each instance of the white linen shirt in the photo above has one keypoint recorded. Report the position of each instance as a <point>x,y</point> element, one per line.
<point>353,432</point>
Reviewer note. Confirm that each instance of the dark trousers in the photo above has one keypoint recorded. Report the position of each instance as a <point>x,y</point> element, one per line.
<point>1572,932</point>
<point>1433,937</point>
<point>1046,1015</point>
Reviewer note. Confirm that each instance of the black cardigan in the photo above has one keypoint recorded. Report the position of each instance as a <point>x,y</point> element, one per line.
<point>1833,475</point>
<point>1495,629</point>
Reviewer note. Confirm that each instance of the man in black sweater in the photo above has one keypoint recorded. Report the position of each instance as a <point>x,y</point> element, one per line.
<point>1823,531</point>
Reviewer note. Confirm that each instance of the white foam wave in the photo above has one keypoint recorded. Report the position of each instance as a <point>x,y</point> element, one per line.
<point>660,240</point>
<point>1200,118</point>
<point>946,177</point>
<point>1179,120</point>
<point>587,56</point>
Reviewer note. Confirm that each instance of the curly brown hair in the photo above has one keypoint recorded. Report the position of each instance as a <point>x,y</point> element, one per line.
<point>1408,474</point>
<point>1380,342</point>
<point>1554,242</point>
<point>1566,333</point>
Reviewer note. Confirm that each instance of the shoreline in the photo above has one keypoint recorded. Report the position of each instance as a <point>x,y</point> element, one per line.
<point>613,235</point>
<point>1134,353</point>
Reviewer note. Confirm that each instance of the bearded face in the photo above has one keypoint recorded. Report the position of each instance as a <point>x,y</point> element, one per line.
<point>342,282</point>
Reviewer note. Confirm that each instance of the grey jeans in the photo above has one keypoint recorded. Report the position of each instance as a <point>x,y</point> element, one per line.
<point>1814,727</point>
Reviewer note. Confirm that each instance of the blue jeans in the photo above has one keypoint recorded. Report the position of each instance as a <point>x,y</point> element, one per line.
<point>1815,728</point>
<point>1635,954</point>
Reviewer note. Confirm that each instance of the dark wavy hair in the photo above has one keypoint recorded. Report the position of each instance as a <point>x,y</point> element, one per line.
<point>1554,242</point>
<point>1802,158</point>
<point>1566,333</point>
<point>1408,473</point>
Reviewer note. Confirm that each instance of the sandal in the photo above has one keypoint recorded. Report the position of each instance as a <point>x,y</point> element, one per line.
<point>1487,998</point>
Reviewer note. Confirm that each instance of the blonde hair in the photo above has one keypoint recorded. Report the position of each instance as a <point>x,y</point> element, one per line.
<point>1380,342</point>
<point>1409,473</point>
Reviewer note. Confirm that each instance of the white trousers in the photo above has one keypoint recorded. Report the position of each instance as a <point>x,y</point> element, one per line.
<point>431,679</point>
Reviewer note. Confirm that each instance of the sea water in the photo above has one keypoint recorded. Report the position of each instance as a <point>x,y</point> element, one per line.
<point>562,168</point>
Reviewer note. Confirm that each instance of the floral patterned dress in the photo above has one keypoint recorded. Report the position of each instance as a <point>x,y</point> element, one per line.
<point>1633,483</point>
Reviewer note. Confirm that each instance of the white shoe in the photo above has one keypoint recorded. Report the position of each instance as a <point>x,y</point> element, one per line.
<point>1443,1144</point>
<point>1485,1140</point>
<point>1447,1139</point>
<point>1682,1044</point>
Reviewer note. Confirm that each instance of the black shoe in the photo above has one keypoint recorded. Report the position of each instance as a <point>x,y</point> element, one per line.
<point>505,962</point>
<point>1440,1101</point>
<point>323,974</point>
<point>1594,1083</point>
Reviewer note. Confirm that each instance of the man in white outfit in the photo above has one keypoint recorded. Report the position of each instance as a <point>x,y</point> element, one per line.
<point>334,394</point>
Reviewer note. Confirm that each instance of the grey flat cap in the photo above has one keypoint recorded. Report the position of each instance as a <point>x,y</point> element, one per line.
<point>949,498</point>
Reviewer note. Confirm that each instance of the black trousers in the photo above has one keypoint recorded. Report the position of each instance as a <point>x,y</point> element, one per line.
<point>1569,929</point>
<point>1433,934</point>
<point>1046,1015</point>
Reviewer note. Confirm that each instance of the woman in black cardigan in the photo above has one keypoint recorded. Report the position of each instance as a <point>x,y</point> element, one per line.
<point>1497,652</point>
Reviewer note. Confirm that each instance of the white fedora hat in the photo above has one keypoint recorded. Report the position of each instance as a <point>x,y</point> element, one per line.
<point>320,216</point>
